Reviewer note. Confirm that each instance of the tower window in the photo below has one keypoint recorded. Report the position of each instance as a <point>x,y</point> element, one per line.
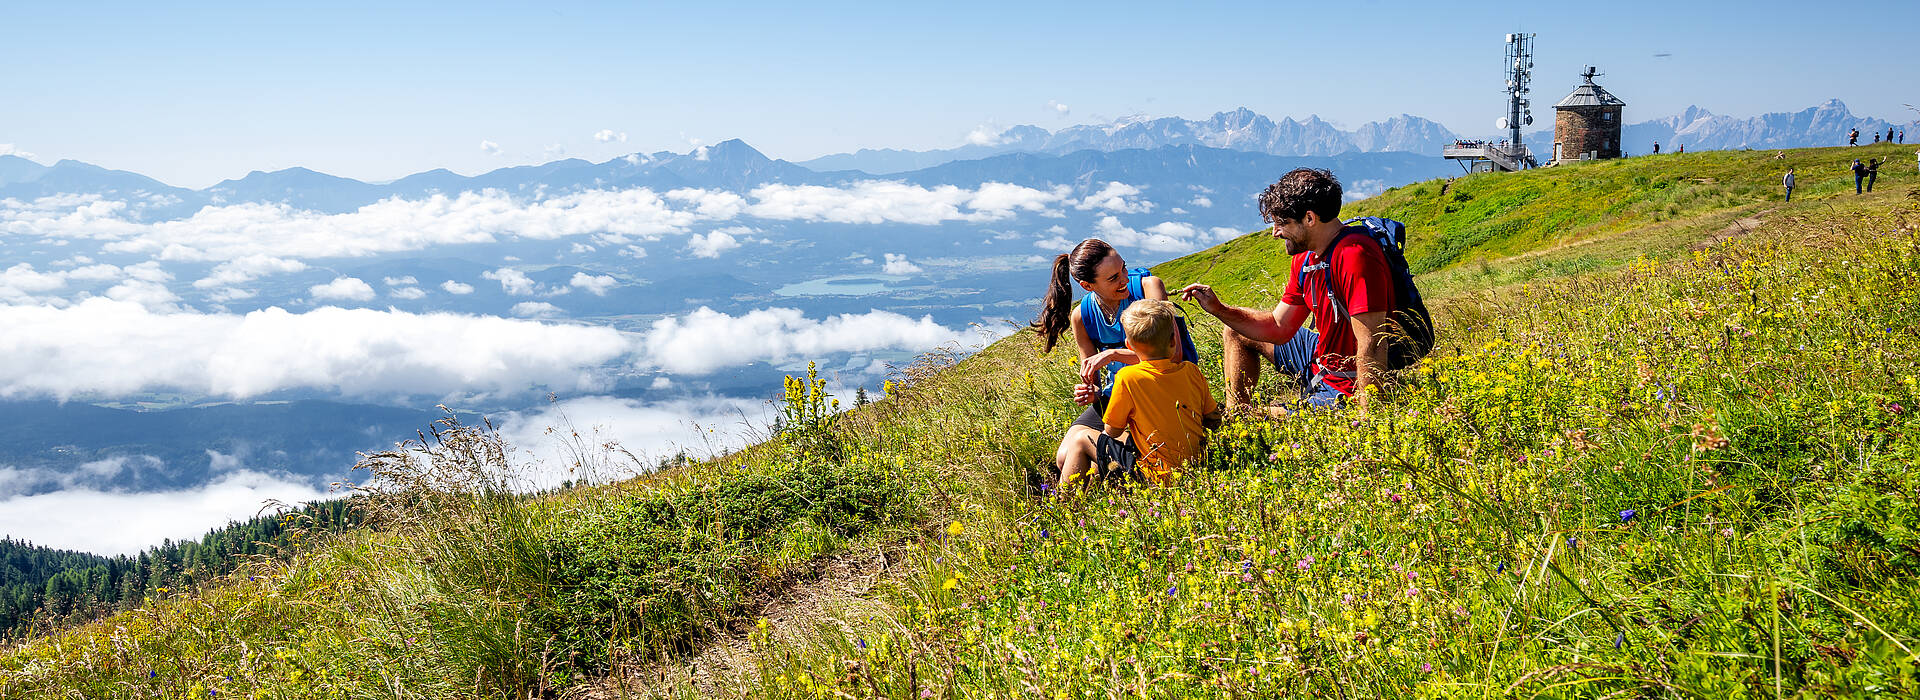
<point>1606,116</point>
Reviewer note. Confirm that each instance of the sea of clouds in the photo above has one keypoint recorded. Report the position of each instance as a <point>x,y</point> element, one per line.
<point>122,303</point>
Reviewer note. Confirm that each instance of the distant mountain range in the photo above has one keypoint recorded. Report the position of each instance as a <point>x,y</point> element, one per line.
<point>729,165</point>
<point>1137,151</point>
<point>1245,130</point>
<point>1238,130</point>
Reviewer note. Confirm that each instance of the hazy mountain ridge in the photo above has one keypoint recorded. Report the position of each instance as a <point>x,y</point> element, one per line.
<point>733,165</point>
<point>1245,130</point>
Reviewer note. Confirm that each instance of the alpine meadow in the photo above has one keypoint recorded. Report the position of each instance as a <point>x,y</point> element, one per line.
<point>1664,448</point>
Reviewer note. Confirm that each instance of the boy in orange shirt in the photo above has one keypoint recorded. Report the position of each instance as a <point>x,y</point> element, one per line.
<point>1162,405</point>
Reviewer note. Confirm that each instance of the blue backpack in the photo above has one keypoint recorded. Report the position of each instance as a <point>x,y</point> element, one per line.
<point>1110,336</point>
<point>1410,335</point>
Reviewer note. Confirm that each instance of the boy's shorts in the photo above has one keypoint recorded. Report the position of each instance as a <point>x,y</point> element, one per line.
<point>1108,451</point>
<point>1295,358</point>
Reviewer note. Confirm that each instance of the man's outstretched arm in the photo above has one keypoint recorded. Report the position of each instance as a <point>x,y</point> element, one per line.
<point>1276,326</point>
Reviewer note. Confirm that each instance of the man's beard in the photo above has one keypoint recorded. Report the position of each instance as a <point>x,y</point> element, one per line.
<point>1295,247</point>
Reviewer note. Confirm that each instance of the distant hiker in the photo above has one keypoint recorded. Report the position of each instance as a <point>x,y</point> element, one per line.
<point>1873,173</point>
<point>1876,136</point>
<point>1853,137</point>
<point>1656,148</point>
<point>1889,134</point>
<point>1368,319</point>
<point>1681,149</point>
<point>1097,334</point>
<point>1161,408</point>
<point>1903,136</point>
<point>1788,181</point>
<point>1859,175</point>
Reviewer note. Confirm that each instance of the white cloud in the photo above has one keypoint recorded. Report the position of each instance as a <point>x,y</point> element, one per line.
<point>343,288</point>
<point>985,135</point>
<point>898,264</point>
<point>513,282</point>
<point>710,204</point>
<point>581,249</point>
<point>706,340</point>
<point>247,269</point>
<point>232,232</point>
<point>554,151</point>
<point>7,149</point>
<point>1055,243</point>
<point>596,285</point>
<point>1164,237</point>
<point>700,153</point>
<point>489,148</point>
<point>713,243</point>
<point>608,135</point>
<point>661,383</point>
<point>407,293</point>
<point>651,431</point>
<point>453,287</point>
<point>255,239</point>
<point>634,251</point>
<point>880,201</point>
<point>536,309</point>
<point>105,348</point>
<point>1116,197</point>
<point>406,281</point>
<point>146,285</point>
<point>1059,108</point>
<point>1201,201</point>
<point>105,522</point>
<point>109,348</point>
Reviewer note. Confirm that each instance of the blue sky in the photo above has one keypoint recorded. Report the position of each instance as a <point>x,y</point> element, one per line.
<point>380,90</point>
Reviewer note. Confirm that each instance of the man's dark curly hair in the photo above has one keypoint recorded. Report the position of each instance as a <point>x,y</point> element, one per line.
<point>1300,191</point>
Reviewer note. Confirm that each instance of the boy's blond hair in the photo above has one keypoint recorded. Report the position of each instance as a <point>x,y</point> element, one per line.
<point>1149,322</point>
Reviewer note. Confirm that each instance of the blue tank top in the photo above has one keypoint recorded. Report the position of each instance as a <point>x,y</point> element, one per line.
<point>1110,335</point>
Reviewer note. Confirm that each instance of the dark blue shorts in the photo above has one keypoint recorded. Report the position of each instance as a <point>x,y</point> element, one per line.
<point>1294,358</point>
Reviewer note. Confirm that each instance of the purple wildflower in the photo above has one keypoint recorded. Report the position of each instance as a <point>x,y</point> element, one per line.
<point>1626,516</point>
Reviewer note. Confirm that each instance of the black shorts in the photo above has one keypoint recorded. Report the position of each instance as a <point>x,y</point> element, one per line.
<point>1095,416</point>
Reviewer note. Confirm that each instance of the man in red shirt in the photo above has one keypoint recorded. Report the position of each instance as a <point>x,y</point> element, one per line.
<point>1341,357</point>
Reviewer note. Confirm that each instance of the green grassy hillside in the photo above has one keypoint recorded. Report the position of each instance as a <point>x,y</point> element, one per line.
<point>1657,454</point>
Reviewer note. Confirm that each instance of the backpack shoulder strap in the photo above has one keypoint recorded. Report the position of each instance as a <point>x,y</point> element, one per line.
<point>1136,285</point>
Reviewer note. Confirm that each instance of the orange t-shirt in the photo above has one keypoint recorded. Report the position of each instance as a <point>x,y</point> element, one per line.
<point>1160,403</point>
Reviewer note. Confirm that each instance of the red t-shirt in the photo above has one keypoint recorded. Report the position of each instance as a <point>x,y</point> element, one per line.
<point>1361,279</point>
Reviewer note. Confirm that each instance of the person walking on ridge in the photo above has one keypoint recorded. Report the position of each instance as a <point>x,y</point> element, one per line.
<point>1656,148</point>
<point>1859,175</point>
<point>1788,181</point>
<point>1853,137</point>
<point>1889,134</point>
<point>1876,136</point>
<point>1873,172</point>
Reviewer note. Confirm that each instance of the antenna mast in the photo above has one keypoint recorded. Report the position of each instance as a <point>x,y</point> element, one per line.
<point>1519,76</point>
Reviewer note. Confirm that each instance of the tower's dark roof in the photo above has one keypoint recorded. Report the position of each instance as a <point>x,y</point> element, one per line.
<point>1590,95</point>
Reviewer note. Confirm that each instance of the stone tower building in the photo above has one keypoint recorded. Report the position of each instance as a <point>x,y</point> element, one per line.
<point>1586,125</point>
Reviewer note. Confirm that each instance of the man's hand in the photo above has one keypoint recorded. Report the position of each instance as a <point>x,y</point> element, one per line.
<point>1203,295</point>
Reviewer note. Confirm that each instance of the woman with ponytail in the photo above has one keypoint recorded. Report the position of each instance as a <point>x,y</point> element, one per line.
<point>1097,335</point>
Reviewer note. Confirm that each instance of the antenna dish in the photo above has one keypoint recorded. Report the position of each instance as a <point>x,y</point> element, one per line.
<point>1500,123</point>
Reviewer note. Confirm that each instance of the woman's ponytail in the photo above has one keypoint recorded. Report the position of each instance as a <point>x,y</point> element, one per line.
<point>1077,264</point>
<point>1053,307</point>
